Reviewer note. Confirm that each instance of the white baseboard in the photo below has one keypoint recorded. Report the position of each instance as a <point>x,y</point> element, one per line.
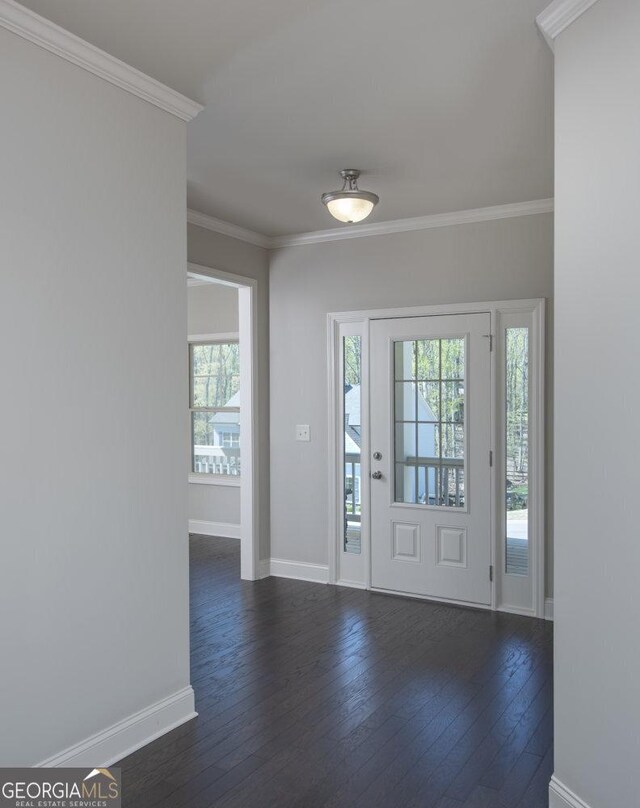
<point>548,610</point>
<point>351,584</point>
<point>319,573</point>
<point>225,530</point>
<point>507,609</point>
<point>283,568</point>
<point>562,797</point>
<point>121,739</point>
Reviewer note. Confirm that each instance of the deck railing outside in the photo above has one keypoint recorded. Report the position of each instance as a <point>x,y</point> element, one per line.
<point>216,460</point>
<point>352,487</point>
<point>443,483</point>
<point>443,480</point>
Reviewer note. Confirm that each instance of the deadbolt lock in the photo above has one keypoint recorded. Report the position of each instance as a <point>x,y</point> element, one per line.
<point>377,455</point>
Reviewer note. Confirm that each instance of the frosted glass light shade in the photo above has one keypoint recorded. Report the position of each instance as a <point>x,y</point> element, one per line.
<point>350,204</point>
<point>350,209</point>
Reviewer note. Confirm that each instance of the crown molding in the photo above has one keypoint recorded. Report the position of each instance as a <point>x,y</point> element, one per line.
<point>46,34</point>
<point>228,229</point>
<point>559,15</point>
<point>417,223</point>
<point>377,229</point>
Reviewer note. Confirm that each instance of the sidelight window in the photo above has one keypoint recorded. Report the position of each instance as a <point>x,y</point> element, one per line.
<point>517,450</point>
<point>352,410</point>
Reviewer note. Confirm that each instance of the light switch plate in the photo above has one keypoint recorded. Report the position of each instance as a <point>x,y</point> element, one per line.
<point>302,432</point>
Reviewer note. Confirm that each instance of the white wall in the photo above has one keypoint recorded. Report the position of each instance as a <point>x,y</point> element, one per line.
<point>597,652</point>
<point>213,309</point>
<point>239,258</point>
<point>509,258</point>
<point>93,505</point>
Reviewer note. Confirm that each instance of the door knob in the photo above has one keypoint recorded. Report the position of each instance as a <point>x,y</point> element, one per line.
<point>377,475</point>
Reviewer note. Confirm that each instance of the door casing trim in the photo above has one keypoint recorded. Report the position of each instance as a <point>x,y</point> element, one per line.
<point>250,427</point>
<point>532,306</point>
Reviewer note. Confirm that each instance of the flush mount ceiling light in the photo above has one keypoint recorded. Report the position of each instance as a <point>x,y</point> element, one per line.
<point>350,204</point>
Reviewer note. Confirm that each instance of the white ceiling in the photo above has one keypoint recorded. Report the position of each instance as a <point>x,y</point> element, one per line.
<point>445,105</point>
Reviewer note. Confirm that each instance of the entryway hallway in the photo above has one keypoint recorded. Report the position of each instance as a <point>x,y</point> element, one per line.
<point>311,695</point>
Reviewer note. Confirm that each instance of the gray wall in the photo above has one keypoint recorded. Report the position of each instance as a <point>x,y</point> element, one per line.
<point>213,309</point>
<point>509,258</point>
<point>230,255</point>
<point>93,505</point>
<point>597,652</point>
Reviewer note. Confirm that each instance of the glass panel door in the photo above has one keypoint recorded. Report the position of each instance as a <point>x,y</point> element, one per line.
<point>430,427</point>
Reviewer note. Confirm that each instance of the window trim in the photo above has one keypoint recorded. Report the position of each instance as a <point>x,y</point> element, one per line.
<point>200,478</point>
<point>213,478</point>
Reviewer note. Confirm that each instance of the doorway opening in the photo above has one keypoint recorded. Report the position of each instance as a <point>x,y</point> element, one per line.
<point>223,436</point>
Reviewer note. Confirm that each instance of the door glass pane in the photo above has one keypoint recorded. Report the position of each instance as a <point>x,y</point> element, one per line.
<point>405,361</point>
<point>405,442</point>
<point>430,422</point>
<point>452,402</point>
<point>452,485</point>
<point>428,442</point>
<point>405,401</point>
<point>406,483</point>
<point>517,450</point>
<point>451,443</point>
<point>428,358</point>
<point>352,440</point>
<point>452,358</point>
<point>429,396</point>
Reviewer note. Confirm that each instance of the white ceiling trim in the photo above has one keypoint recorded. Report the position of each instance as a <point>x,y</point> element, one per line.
<point>377,229</point>
<point>418,223</point>
<point>228,229</point>
<point>46,34</point>
<point>559,15</point>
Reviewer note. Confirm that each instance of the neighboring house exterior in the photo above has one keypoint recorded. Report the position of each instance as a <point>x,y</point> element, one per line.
<point>405,474</point>
<point>222,454</point>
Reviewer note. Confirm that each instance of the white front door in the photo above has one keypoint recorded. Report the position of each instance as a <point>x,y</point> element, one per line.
<point>430,440</point>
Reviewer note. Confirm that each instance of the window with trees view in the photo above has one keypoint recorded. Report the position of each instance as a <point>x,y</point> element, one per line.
<point>214,403</point>
<point>517,450</point>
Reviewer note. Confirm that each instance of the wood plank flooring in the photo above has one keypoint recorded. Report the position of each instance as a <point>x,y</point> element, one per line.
<point>313,696</point>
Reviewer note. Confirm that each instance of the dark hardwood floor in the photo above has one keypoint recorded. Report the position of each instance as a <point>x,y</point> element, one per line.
<point>313,696</point>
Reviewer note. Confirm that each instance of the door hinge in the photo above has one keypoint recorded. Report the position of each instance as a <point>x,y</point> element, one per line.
<point>490,458</point>
<point>491,573</point>
<point>490,338</point>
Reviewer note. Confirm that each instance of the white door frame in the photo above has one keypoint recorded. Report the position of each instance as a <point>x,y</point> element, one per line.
<point>249,423</point>
<point>534,309</point>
